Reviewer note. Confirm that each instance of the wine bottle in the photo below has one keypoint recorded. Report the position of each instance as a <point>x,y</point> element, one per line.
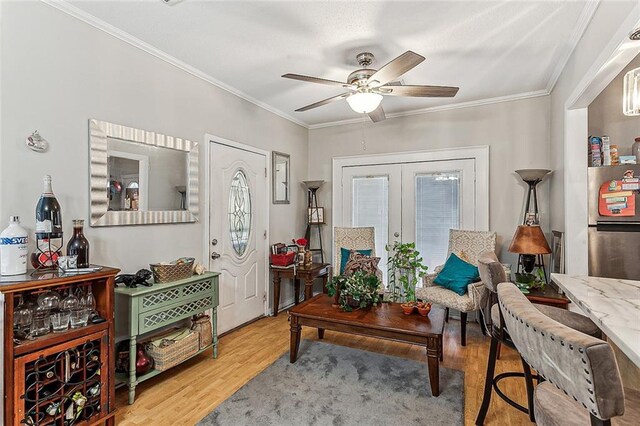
<point>78,244</point>
<point>48,229</point>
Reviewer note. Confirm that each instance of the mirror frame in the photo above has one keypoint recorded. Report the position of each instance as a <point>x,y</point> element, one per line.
<point>274,156</point>
<point>99,132</point>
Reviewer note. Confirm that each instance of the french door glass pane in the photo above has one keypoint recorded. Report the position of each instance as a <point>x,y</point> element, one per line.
<point>371,208</point>
<point>437,211</point>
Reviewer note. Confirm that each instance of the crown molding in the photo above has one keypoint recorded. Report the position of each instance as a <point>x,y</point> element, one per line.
<point>579,29</point>
<point>461,105</point>
<point>87,18</point>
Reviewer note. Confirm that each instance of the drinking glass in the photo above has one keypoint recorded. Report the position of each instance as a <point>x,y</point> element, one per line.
<point>41,324</point>
<point>49,300</point>
<point>79,317</point>
<point>88,300</point>
<point>22,316</point>
<point>70,302</point>
<point>60,321</point>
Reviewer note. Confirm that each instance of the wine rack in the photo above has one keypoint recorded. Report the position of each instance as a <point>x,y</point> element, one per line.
<point>62,386</point>
<point>65,378</point>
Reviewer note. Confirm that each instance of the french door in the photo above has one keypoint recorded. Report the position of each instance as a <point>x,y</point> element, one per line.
<point>411,202</point>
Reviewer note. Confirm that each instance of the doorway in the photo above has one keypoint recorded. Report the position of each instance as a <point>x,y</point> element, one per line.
<point>238,223</point>
<point>414,197</point>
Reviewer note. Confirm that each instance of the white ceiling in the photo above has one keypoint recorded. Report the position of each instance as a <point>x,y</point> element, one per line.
<point>489,49</point>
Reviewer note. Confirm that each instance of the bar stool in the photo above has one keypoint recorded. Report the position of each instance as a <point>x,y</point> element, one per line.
<point>492,273</point>
<point>582,382</point>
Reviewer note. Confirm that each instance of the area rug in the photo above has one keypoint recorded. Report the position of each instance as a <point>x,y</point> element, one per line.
<point>336,385</point>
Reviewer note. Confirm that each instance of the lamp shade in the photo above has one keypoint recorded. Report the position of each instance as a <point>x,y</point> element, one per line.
<point>364,102</point>
<point>631,93</point>
<point>529,240</point>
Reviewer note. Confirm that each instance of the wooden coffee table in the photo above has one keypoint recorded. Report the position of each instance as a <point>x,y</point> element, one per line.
<point>385,321</point>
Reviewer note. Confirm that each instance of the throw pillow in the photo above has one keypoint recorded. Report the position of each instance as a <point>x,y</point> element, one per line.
<point>457,274</point>
<point>344,257</point>
<point>360,262</point>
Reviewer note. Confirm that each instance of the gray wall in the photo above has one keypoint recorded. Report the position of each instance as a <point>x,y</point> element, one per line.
<point>57,72</point>
<point>517,133</point>
<point>606,117</point>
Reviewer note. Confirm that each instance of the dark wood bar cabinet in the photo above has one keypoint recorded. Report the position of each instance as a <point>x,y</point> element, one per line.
<point>65,378</point>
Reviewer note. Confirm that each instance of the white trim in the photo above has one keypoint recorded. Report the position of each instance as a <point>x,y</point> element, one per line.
<point>87,18</point>
<point>580,27</point>
<point>616,55</point>
<point>478,153</point>
<point>208,140</point>
<point>469,104</point>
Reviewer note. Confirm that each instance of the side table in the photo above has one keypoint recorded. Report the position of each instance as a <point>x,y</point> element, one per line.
<point>305,273</point>
<point>145,309</point>
<point>548,296</point>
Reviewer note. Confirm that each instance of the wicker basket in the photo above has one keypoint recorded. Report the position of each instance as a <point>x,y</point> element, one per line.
<point>174,353</point>
<point>172,272</point>
<point>202,325</point>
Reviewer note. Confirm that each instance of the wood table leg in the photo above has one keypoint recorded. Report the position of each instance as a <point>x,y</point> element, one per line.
<point>433,361</point>
<point>214,332</point>
<point>132,369</point>
<point>321,333</point>
<point>296,290</point>
<point>276,293</point>
<point>308,288</point>
<point>294,343</point>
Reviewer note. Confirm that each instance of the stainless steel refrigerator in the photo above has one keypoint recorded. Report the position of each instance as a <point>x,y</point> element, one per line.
<point>614,237</point>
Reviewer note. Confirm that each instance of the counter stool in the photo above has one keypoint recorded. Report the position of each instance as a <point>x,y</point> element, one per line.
<point>492,273</point>
<point>582,382</point>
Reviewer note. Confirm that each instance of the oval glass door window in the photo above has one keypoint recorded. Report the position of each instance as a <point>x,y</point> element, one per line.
<point>239,212</point>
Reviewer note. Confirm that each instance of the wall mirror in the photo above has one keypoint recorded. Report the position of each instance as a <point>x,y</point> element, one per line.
<point>140,177</point>
<point>280,176</point>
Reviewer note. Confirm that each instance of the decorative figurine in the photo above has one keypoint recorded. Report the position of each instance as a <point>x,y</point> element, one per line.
<point>132,280</point>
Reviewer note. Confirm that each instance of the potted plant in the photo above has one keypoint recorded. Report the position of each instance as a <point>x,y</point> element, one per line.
<point>405,269</point>
<point>358,291</point>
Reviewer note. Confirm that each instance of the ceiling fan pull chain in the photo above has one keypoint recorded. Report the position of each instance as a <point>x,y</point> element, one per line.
<point>364,143</point>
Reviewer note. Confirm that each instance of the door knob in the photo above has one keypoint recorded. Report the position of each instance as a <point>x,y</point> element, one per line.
<point>396,234</point>
<point>215,255</point>
<point>214,242</point>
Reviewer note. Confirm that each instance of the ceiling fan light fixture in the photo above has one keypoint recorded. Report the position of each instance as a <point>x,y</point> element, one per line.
<point>364,102</point>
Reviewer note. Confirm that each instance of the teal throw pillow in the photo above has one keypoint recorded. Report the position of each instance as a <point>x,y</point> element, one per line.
<point>344,257</point>
<point>457,274</point>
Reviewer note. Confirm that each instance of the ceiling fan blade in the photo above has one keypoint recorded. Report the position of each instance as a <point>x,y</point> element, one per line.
<point>316,80</point>
<point>324,102</point>
<point>377,114</point>
<point>395,68</point>
<point>420,91</point>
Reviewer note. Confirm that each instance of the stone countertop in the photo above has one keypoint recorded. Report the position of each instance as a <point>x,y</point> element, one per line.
<point>613,304</point>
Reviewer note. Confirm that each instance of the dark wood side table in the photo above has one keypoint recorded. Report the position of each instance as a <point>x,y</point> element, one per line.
<point>550,296</point>
<point>305,273</point>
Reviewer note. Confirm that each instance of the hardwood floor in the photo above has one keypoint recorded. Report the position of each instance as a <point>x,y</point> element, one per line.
<point>192,390</point>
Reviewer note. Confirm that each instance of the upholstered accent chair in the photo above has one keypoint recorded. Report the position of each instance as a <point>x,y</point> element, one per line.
<point>468,245</point>
<point>362,238</point>
<point>582,382</point>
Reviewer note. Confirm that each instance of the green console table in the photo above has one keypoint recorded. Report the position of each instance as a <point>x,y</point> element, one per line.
<point>145,309</point>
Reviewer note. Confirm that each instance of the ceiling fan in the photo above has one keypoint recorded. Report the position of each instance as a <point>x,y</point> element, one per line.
<point>367,86</point>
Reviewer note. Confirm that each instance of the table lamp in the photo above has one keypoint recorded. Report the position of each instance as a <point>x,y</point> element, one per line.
<point>530,243</point>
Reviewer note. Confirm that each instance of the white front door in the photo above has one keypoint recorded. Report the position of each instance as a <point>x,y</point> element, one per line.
<point>238,226</point>
<point>411,202</point>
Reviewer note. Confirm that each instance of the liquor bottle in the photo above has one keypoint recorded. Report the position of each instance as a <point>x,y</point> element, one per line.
<point>48,229</point>
<point>78,244</point>
<point>13,248</point>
